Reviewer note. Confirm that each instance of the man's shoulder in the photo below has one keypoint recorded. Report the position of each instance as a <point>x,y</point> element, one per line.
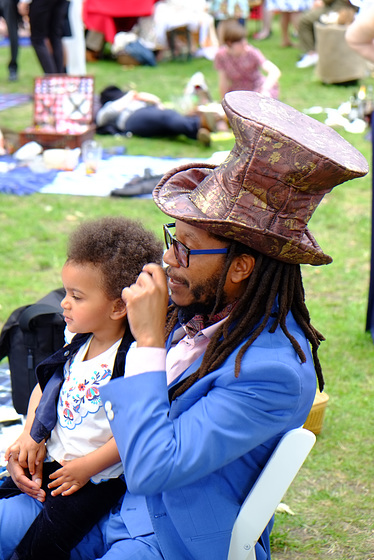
<point>270,347</point>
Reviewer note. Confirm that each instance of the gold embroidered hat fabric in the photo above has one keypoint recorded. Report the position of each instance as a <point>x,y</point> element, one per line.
<point>265,192</point>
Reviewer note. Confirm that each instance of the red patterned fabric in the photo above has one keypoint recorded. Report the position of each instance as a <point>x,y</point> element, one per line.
<point>200,322</point>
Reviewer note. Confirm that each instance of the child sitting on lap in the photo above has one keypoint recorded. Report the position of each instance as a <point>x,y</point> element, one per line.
<point>80,478</point>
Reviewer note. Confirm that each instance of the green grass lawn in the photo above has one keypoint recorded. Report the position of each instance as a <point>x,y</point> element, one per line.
<point>332,497</point>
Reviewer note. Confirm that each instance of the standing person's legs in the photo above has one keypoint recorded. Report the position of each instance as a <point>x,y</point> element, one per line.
<point>39,15</point>
<point>285,20</point>
<point>58,14</point>
<point>152,121</point>
<point>267,17</point>
<point>307,37</point>
<point>306,29</point>
<point>75,46</point>
<point>295,18</point>
<point>11,18</point>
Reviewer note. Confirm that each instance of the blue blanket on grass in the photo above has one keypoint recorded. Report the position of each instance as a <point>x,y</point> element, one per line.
<point>113,173</point>
<point>21,180</point>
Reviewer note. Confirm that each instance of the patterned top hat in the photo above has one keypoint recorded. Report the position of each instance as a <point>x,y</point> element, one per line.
<point>265,192</point>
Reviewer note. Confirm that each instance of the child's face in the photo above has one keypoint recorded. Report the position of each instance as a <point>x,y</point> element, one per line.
<point>86,306</point>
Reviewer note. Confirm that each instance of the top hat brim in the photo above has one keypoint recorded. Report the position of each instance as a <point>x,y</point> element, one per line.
<point>172,196</point>
<point>265,192</point>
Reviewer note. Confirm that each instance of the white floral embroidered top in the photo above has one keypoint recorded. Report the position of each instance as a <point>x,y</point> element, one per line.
<point>82,425</point>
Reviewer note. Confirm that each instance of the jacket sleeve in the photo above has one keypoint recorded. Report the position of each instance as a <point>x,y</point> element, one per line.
<point>46,412</point>
<point>218,420</point>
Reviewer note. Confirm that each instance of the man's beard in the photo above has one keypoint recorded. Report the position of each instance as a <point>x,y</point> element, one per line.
<point>205,299</point>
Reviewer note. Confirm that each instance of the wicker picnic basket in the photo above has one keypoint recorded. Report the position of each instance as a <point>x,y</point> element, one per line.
<point>63,112</point>
<point>314,422</point>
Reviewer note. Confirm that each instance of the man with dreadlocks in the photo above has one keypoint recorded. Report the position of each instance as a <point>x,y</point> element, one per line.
<point>197,418</point>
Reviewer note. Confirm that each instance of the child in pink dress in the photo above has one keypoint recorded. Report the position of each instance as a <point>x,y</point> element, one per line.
<point>241,66</point>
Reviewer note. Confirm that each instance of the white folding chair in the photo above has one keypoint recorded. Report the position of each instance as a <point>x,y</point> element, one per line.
<point>268,491</point>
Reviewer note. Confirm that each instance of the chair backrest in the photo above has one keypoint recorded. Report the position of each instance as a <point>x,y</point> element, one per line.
<point>268,491</point>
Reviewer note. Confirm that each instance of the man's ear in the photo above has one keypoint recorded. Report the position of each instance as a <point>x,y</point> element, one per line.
<point>241,268</point>
<point>119,309</point>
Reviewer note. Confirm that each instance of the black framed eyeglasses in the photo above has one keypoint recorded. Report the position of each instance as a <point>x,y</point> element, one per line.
<point>182,252</point>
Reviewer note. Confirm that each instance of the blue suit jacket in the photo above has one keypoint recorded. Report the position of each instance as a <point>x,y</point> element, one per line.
<point>196,459</point>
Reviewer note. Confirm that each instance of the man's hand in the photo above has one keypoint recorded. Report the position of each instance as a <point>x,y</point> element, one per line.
<point>71,477</point>
<point>27,452</point>
<point>30,486</point>
<point>146,303</point>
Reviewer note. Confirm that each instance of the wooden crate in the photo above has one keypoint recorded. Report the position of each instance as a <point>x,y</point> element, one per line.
<point>63,111</point>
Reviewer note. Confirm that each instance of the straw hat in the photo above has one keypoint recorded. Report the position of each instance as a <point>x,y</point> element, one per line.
<point>265,192</point>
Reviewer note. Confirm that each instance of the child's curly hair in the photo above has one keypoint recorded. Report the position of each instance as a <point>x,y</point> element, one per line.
<point>118,246</point>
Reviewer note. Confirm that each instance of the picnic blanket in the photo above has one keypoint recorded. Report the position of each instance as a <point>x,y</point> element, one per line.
<point>5,386</point>
<point>8,100</point>
<point>113,173</point>
<point>22,41</point>
<point>20,180</point>
<point>11,423</point>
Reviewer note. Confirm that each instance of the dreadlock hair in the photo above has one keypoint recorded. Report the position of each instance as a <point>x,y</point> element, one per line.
<point>270,280</point>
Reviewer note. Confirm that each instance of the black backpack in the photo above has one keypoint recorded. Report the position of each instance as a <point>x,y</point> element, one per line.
<point>31,334</point>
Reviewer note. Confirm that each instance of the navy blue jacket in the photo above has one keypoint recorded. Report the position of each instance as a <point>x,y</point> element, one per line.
<point>50,375</point>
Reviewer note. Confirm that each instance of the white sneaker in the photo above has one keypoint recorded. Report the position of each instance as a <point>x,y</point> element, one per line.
<point>307,60</point>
